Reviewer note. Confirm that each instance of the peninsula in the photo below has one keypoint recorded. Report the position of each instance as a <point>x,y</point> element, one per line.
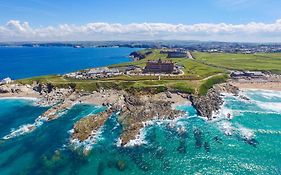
<point>149,88</point>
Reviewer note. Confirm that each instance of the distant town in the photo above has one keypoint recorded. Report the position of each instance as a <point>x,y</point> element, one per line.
<point>226,47</point>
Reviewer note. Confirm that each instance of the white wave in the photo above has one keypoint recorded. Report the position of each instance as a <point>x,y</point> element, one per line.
<point>223,113</point>
<point>226,127</point>
<point>272,106</point>
<point>138,141</point>
<point>229,129</point>
<point>246,133</point>
<point>263,131</point>
<point>269,94</point>
<point>253,111</point>
<point>181,129</point>
<point>87,144</point>
<point>26,128</point>
<point>20,98</point>
<point>140,138</point>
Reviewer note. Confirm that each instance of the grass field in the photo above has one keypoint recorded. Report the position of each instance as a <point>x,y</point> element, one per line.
<point>125,84</point>
<point>256,62</point>
<point>192,69</point>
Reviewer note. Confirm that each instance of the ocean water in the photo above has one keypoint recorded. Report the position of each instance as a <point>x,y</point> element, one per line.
<point>250,143</point>
<point>23,62</point>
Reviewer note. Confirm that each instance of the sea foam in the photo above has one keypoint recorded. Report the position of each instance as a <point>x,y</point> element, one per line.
<point>87,144</point>
<point>271,106</point>
<point>26,128</point>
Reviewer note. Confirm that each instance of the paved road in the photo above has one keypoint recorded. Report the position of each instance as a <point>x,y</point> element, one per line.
<point>189,55</point>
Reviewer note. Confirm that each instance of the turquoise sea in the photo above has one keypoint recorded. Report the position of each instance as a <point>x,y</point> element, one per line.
<point>23,62</point>
<point>250,143</point>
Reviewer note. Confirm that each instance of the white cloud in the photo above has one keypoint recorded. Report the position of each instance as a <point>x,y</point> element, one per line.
<point>252,32</point>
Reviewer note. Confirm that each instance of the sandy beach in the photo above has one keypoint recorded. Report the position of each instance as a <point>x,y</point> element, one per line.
<point>258,85</point>
<point>20,95</point>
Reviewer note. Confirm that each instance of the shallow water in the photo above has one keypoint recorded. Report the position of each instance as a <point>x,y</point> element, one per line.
<point>189,145</point>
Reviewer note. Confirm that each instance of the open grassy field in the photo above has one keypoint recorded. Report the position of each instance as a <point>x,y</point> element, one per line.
<point>192,69</point>
<point>256,62</point>
<point>149,84</point>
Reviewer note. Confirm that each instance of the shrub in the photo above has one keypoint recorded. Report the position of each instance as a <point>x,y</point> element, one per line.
<point>208,84</point>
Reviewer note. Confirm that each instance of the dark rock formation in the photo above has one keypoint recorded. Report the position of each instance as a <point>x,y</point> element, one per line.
<point>198,135</point>
<point>206,105</point>
<point>84,128</point>
<point>46,88</point>
<point>212,101</point>
<point>138,111</point>
<point>134,112</point>
<point>3,89</point>
<point>139,55</point>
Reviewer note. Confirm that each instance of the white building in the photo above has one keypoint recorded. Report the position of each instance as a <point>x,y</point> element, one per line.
<point>6,81</point>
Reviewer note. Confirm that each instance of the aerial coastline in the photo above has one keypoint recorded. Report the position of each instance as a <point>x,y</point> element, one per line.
<point>127,101</point>
<point>135,107</point>
<point>140,88</point>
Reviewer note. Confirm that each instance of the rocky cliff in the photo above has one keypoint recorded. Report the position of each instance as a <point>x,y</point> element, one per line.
<point>212,101</point>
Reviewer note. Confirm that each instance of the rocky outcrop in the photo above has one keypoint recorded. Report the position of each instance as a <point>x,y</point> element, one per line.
<point>139,55</point>
<point>4,89</point>
<point>227,88</point>
<point>140,110</point>
<point>212,101</point>
<point>85,127</point>
<point>43,88</point>
<point>206,105</point>
<point>134,111</point>
<point>15,88</point>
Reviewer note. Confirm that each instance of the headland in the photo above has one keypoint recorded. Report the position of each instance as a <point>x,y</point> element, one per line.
<point>147,89</point>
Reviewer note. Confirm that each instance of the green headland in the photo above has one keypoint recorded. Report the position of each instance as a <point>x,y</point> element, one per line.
<point>200,73</point>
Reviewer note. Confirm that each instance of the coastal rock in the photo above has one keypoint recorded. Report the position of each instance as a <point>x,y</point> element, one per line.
<point>227,88</point>
<point>16,89</point>
<point>139,55</point>
<point>84,128</point>
<point>139,110</point>
<point>206,105</point>
<point>212,101</point>
<point>134,111</point>
<point>4,89</point>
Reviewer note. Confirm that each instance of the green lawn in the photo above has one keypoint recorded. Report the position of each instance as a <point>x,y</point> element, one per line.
<point>260,62</point>
<point>192,69</point>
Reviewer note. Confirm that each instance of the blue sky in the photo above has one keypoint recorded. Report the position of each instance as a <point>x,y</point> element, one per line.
<point>52,13</point>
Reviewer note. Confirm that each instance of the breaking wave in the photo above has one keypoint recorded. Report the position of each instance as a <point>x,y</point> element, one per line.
<point>87,144</point>
<point>274,106</point>
<point>26,128</point>
<point>138,141</point>
<point>269,94</point>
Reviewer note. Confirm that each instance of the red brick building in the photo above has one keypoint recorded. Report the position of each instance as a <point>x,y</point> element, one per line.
<point>159,66</point>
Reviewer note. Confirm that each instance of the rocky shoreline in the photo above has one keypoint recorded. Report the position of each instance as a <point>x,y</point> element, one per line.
<point>211,103</point>
<point>134,109</point>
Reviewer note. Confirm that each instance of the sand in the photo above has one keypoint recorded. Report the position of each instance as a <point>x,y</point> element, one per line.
<point>258,85</point>
<point>20,95</point>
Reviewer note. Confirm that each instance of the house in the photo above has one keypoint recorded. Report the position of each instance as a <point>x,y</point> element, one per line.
<point>159,66</point>
<point>6,81</point>
<point>247,74</point>
<point>175,53</point>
